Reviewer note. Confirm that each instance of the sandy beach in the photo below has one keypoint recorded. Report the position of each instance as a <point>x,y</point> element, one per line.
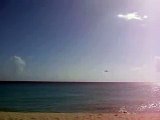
<point>78,116</point>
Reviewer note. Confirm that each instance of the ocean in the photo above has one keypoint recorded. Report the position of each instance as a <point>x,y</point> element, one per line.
<point>79,97</point>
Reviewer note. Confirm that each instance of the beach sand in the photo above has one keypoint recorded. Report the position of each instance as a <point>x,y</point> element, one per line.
<point>78,116</point>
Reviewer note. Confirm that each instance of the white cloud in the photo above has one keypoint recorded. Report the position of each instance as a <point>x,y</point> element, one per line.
<point>152,66</point>
<point>16,68</point>
<point>132,16</point>
<point>13,69</point>
<point>19,63</point>
<point>136,68</point>
<point>157,63</point>
<point>149,71</point>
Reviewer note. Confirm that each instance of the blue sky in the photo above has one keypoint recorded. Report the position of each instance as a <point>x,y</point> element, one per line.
<point>78,40</point>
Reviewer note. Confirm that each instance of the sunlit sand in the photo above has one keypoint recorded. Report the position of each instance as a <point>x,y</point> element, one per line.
<point>78,116</point>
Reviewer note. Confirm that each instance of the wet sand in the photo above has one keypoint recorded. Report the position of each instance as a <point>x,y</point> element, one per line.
<point>78,116</point>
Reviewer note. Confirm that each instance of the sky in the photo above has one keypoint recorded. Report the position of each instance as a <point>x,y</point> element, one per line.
<point>78,40</point>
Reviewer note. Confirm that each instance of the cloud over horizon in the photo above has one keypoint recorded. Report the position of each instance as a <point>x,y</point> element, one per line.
<point>18,64</point>
<point>149,70</point>
<point>157,63</point>
<point>14,69</point>
<point>153,66</point>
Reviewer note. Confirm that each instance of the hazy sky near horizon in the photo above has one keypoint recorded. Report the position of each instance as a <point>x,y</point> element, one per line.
<point>77,40</point>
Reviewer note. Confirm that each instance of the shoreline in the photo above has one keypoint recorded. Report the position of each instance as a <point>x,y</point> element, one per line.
<point>77,116</point>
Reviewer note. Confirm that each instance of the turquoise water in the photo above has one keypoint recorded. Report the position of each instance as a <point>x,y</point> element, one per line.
<point>79,97</point>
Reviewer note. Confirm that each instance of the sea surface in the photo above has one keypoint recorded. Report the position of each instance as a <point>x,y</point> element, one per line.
<point>79,97</point>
